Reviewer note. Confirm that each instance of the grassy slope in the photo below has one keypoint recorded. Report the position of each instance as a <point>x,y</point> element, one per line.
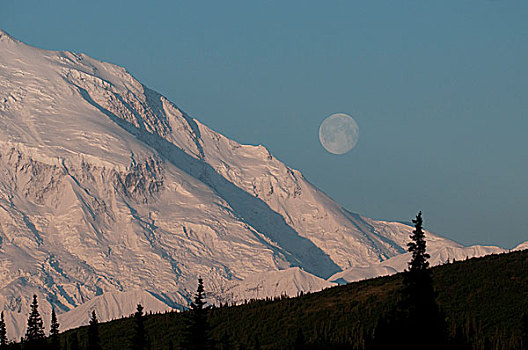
<point>491,292</point>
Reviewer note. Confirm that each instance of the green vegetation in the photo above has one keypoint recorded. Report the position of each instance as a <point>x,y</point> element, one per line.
<point>476,304</point>
<point>483,301</point>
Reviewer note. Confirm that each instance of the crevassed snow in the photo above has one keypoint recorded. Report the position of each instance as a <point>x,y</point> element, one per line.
<point>107,187</point>
<point>289,282</point>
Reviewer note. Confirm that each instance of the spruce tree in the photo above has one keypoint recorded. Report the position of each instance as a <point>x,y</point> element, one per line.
<point>416,322</point>
<point>422,315</point>
<point>417,247</point>
<point>197,333</point>
<point>54,331</point>
<point>3,332</point>
<point>139,341</point>
<point>94,343</point>
<point>35,330</point>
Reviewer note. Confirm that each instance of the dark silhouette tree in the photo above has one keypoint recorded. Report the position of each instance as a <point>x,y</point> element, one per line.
<point>54,331</point>
<point>197,332</point>
<point>417,247</point>
<point>94,343</point>
<point>419,298</point>
<point>139,341</point>
<point>3,333</point>
<point>35,330</point>
<point>416,322</point>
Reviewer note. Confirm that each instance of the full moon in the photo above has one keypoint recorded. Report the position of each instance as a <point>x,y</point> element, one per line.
<point>338,133</point>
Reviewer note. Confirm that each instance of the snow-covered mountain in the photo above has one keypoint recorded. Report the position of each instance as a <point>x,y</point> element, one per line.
<point>522,246</point>
<point>398,263</point>
<point>110,193</point>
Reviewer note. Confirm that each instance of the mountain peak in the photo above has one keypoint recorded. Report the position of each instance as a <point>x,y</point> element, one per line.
<point>108,187</point>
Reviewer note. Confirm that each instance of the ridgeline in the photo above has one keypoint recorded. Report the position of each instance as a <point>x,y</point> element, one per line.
<point>483,299</point>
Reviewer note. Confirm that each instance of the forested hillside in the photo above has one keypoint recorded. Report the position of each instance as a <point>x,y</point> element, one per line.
<point>483,299</point>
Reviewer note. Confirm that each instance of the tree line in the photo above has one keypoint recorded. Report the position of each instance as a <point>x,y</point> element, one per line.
<point>413,321</point>
<point>36,339</point>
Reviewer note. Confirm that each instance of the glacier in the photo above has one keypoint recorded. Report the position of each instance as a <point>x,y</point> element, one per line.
<point>111,195</point>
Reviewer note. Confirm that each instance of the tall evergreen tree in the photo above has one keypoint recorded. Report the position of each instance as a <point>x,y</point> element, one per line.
<point>35,330</point>
<point>54,331</point>
<point>197,333</point>
<point>423,316</point>
<point>139,342</point>
<point>3,332</point>
<point>94,343</point>
<point>416,322</point>
<point>417,247</point>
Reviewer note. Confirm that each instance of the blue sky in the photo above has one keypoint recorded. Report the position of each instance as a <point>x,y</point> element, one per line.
<point>438,88</point>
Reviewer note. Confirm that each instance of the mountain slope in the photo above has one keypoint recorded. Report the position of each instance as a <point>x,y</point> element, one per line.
<point>108,187</point>
<point>438,256</point>
<point>483,299</point>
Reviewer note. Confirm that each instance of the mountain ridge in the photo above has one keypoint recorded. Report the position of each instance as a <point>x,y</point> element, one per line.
<point>108,187</point>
